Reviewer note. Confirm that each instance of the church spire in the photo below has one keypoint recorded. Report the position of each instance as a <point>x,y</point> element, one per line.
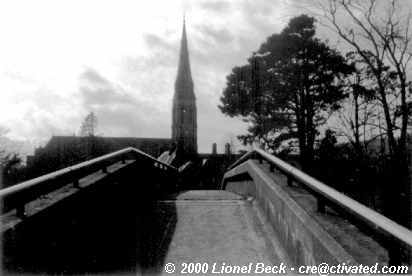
<point>184,74</point>
<point>184,114</point>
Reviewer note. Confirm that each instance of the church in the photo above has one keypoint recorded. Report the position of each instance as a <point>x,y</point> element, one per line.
<point>206,169</point>
<point>62,151</point>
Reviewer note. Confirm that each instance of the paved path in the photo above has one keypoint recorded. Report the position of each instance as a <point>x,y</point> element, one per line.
<point>218,228</point>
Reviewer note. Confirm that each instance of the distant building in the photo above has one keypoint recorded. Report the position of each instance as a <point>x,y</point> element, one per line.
<point>204,170</point>
<point>62,151</point>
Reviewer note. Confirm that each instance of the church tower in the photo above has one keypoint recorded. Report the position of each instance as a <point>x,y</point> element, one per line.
<point>184,114</point>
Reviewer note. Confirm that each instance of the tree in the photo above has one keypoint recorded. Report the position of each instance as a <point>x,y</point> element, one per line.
<point>89,125</point>
<point>11,167</point>
<point>379,33</point>
<point>288,88</point>
<point>358,120</point>
<point>327,156</point>
<point>12,170</point>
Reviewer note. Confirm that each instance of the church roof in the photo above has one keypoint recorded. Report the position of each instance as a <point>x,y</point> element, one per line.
<point>123,140</point>
<point>152,146</point>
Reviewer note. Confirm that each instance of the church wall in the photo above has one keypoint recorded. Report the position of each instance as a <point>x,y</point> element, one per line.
<point>64,151</point>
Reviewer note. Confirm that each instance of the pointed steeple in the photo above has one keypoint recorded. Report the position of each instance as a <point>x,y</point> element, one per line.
<point>184,82</point>
<point>184,114</point>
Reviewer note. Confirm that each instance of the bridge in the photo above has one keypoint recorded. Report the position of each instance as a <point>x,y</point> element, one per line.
<point>125,213</point>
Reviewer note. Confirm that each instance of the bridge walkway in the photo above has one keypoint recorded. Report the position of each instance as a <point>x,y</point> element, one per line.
<point>218,228</point>
<point>103,217</point>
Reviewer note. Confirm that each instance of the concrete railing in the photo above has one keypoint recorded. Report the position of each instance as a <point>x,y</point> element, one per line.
<point>17,196</point>
<point>392,235</point>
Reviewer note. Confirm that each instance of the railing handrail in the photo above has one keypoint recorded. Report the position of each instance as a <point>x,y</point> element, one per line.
<point>242,159</point>
<point>68,171</point>
<point>364,213</point>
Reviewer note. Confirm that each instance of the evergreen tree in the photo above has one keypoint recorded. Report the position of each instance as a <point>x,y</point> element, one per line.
<point>288,88</point>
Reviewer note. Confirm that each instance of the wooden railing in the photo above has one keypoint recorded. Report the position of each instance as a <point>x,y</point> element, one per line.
<point>390,234</point>
<point>17,196</point>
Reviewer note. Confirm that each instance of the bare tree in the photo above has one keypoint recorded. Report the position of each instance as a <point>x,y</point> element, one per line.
<point>89,125</point>
<point>358,121</point>
<point>378,31</point>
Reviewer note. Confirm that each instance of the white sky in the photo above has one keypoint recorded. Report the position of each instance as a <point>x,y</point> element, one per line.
<point>60,60</point>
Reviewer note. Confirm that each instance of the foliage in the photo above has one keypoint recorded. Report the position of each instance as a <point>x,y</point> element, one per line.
<point>288,88</point>
<point>89,125</point>
<point>11,169</point>
<point>338,166</point>
<point>11,165</point>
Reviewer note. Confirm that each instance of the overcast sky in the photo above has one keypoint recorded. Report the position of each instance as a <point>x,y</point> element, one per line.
<point>60,60</point>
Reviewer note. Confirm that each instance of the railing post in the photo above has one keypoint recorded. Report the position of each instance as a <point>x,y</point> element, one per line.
<point>21,211</point>
<point>76,183</point>
<point>321,205</point>
<point>394,252</point>
<point>289,180</point>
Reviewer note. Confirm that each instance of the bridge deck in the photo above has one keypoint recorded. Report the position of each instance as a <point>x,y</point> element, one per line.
<point>119,233</point>
<point>217,227</point>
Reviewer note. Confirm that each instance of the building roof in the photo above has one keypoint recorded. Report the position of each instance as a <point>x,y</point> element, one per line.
<point>122,140</point>
<point>152,146</point>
